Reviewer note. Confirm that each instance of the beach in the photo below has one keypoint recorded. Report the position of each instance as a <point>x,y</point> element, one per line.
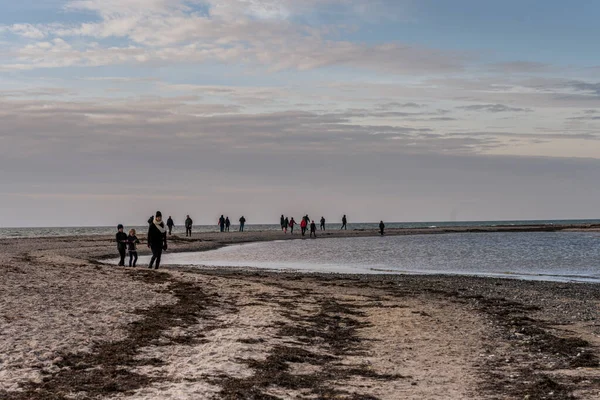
<point>72,327</point>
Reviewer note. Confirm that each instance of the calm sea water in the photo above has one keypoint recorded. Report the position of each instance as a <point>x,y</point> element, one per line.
<point>560,256</point>
<point>109,230</point>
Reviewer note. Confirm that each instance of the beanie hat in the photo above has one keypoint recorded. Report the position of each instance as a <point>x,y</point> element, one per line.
<point>158,214</point>
<point>119,226</point>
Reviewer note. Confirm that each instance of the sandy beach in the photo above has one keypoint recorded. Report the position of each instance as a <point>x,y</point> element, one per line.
<point>72,327</point>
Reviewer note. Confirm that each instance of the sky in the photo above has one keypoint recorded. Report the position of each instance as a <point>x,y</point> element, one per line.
<point>394,110</point>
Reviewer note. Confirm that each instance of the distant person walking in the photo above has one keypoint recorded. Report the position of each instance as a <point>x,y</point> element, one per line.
<point>344,223</point>
<point>292,223</point>
<point>282,223</point>
<point>242,223</point>
<point>307,218</point>
<point>188,226</point>
<point>222,223</point>
<point>322,223</point>
<point>170,224</point>
<point>157,238</point>
<point>381,227</point>
<point>132,242</point>
<point>313,229</point>
<point>286,223</point>
<point>121,239</point>
<point>303,226</point>
<point>227,224</point>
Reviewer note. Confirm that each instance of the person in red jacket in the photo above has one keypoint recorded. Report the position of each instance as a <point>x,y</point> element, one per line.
<point>303,225</point>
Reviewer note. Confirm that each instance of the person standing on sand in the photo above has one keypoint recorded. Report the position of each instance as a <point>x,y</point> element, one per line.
<point>170,224</point>
<point>222,223</point>
<point>322,223</point>
<point>282,223</point>
<point>242,223</point>
<point>292,223</point>
<point>381,227</point>
<point>303,226</point>
<point>227,224</point>
<point>188,226</point>
<point>286,223</point>
<point>132,242</point>
<point>313,229</point>
<point>121,239</point>
<point>344,223</point>
<point>157,238</point>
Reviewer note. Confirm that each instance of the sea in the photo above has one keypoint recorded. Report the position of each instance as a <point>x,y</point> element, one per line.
<point>547,256</point>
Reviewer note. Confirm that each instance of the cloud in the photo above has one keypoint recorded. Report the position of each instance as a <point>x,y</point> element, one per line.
<point>493,108</point>
<point>228,31</point>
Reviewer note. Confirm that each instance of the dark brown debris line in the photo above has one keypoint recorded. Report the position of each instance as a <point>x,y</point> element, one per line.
<point>107,369</point>
<point>331,332</point>
<point>537,351</point>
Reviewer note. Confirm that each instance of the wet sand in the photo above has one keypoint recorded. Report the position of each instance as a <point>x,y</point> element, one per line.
<point>73,328</point>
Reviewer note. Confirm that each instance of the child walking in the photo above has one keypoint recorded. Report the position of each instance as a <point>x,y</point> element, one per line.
<point>121,239</point>
<point>132,242</point>
<point>313,229</point>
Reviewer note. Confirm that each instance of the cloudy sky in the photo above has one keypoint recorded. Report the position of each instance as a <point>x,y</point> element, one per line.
<point>402,110</point>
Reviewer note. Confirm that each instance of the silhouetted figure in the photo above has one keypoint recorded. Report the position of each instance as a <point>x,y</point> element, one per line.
<point>282,223</point>
<point>132,242</point>
<point>381,227</point>
<point>188,226</point>
<point>121,239</point>
<point>303,226</point>
<point>344,223</point>
<point>242,223</point>
<point>170,224</point>
<point>322,223</point>
<point>227,224</point>
<point>286,224</point>
<point>222,223</point>
<point>292,223</point>
<point>157,238</point>
<point>313,229</point>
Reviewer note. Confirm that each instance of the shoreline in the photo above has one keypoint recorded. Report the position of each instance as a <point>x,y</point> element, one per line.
<point>72,327</point>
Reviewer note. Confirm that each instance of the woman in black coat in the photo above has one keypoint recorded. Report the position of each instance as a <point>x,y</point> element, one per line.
<point>157,238</point>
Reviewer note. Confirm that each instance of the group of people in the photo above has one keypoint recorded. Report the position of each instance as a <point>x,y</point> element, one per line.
<point>306,223</point>
<point>158,230</point>
<point>224,223</point>
<point>157,241</point>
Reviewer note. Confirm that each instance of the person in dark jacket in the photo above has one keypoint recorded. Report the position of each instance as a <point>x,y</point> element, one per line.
<point>132,242</point>
<point>188,226</point>
<point>344,223</point>
<point>222,223</point>
<point>227,224</point>
<point>157,238</point>
<point>313,229</point>
<point>322,223</point>
<point>287,223</point>
<point>242,223</point>
<point>381,227</point>
<point>282,223</point>
<point>170,224</point>
<point>121,239</point>
<point>292,223</point>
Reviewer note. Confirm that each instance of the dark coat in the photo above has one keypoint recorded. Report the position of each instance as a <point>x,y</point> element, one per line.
<point>121,239</point>
<point>156,238</point>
